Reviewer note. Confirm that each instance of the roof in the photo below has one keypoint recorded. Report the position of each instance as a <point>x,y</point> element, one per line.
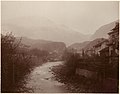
<point>116,27</point>
<point>99,44</point>
<point>113,31</point>
<point>106,49</point>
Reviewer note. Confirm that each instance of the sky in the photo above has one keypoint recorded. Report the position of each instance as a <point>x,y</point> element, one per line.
<point>84,17</point>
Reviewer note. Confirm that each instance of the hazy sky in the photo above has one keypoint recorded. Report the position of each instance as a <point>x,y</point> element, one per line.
<point>85,17</point>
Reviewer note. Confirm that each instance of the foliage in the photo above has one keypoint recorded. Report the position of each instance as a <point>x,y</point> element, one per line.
<point>39,53</point>
<point>15,63</point>
<point>71,62</point>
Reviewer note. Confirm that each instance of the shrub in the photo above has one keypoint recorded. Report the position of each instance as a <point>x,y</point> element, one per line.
<point>15,63</point>
<point>71,62</point>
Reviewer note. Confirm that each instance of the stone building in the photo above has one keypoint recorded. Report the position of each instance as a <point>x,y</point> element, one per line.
<point>100,46</point>
<point>114,44</point>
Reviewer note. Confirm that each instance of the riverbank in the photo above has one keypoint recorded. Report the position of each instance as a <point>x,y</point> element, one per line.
<point>20,87</point>
<point>74,83</point>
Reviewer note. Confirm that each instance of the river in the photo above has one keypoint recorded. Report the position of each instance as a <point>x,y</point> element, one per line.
<point>41,80</point>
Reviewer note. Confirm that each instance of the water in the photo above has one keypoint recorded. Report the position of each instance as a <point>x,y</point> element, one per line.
<point>41,80</point>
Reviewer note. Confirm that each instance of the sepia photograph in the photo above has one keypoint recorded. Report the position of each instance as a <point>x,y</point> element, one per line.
<point>60,46</point>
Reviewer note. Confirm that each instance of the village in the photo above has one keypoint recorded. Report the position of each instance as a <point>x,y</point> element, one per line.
<point>101,62</point>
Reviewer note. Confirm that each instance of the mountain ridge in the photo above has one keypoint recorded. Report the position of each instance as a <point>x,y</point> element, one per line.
<point>42,28</point>
<point>102,32</point>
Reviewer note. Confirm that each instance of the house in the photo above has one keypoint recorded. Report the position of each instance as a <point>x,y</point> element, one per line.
<point>104,52</point>
<point>108,49</point>
<point>96,47</point>
<point>114,44</point>
<point>102,45</point>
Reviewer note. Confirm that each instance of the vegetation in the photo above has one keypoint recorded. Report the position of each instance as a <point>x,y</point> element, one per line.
<point>66,73</point>
<point>71,61</point>
<point>17,61</point>
<point>39,53</point>
<point>39,56</point>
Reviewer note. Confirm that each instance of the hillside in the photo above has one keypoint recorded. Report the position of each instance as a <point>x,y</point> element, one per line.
<point>78,46</point>
<point>102,32</point>
<point>49,46</point>
<point>85,45</point>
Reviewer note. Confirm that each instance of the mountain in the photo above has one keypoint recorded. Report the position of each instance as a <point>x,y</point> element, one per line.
<point>78,46</point>
<point>100,35</point>
<point>49,46</point>
<point>42,28</point>
<point>102,32</point>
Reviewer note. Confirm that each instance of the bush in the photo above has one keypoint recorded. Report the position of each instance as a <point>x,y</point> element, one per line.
<point>39,53</point>
<point>15,63</point>
<point>71,62</point>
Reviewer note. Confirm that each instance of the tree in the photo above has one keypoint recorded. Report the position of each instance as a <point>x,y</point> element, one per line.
<point>15,64</point>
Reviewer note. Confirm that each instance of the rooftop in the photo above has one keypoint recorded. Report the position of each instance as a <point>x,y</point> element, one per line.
<point>99,44</point>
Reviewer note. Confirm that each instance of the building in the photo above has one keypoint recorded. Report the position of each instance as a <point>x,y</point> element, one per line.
<point>108,50</point>
<point>114,44</point>
<point>104,52</point>
<point>100,46</point>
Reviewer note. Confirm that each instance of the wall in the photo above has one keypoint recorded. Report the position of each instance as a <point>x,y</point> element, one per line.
<point>86,73</point>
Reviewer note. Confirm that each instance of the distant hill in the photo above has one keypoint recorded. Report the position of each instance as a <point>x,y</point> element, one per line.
<point>42,28</point>
<point>102,32</point>
<point>49,46</point>
<point>78,46</point>
<point>31,42</point>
